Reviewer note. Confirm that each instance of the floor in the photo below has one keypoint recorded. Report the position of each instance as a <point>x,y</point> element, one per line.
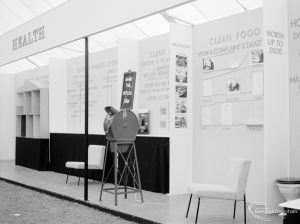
<point>20,205</point>
<point>157,207</point>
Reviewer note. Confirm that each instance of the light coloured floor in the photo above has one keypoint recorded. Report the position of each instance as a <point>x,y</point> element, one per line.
<point>156,207</point>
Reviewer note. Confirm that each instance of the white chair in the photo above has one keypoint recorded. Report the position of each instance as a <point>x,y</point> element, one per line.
<point>233,189</point>
<point>95,160</point>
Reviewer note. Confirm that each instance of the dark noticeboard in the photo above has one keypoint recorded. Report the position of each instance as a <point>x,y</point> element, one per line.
<point>128,90</point>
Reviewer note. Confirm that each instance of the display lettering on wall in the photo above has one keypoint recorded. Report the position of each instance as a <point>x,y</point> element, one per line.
<point>232,42</point>
<point>28,38</point>
<point>275,42</point>
<point>295,80</point>
<point>128,90</point>
<point>295,27</point>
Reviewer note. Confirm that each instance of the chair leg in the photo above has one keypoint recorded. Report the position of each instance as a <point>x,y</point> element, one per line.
<point>234,209</point>
<point>67,176</point>
<point>78,180</point>
<point>245,209</point>
<point>197,210</point>
<point>187,212</point>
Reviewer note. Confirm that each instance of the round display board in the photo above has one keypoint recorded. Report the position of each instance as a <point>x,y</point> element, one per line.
<point>121,126</point>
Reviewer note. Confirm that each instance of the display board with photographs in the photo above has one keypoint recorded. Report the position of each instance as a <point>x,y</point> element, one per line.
<point>181,91</point>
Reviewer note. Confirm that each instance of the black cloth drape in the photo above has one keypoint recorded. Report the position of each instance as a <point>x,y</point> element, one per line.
<point>152,153</point>
<point>32,153</point>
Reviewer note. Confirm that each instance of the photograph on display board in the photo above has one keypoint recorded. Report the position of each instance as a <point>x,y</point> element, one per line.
<point>256,56</point>
<point>181,91</point>
<point>208,64</point>
<point>163,111</point>
<point>180,121</point>
<point>143,118</point>
<point>233,86</point>
<point>163,124</point>
<point>180,106</point>
<point>181,69</point>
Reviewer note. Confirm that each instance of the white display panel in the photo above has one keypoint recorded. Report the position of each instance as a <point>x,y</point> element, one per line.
<point>154,82</point>
<point>41,74</point>
<point>102,90</point>
<point>181,112</point>
<point>228,95</point>
<point>294,61</point>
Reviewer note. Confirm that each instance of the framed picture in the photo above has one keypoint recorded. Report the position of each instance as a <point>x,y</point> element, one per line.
<point>181,91</point>
<point>181,69</point>
<point>233,86</point>
<point>208,64</point>
<point>180,106</point>
<point>256,56</point>
<point>180,121</point>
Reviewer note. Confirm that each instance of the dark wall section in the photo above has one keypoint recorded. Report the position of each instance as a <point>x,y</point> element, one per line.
<point>152,153</point>
<point>32,153</point>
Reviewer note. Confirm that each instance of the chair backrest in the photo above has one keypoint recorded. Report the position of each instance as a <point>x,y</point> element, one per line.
<point>96,155</point>
<point>237,176</point>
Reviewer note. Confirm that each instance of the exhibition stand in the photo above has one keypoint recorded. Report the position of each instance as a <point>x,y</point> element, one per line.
<point>203,94</point>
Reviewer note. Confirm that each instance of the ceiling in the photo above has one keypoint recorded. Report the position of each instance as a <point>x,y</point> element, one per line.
<point>16,12</point>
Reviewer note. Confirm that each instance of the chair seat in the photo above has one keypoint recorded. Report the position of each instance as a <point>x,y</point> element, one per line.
<point>212,191</point>
<point>80,165</point>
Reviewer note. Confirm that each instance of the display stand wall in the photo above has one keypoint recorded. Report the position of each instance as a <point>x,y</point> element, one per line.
<point>105,89</point>
<point>32,110</point>
<point>150,58</point>
<point>9,85</point>
<point>58,119</point>
<point>128,59</point>
<point>154,82</point>
<point>276,100</point>
<point>228,124</point>
<point>32,118</point>
<point>181,114</point>
<point>102,92</point>
<point>294,78</point>
<point>7,117</point>
<point>282,94</point>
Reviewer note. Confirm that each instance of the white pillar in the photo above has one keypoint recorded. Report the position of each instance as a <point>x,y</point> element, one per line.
<point>276,98</point>
<point>294,72</point>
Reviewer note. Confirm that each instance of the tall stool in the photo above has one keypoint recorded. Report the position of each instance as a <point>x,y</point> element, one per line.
<point>120,129</point>
<point>124,154</point>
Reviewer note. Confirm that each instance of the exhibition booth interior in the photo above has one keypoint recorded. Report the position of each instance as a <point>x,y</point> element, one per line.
<point>204,83</point>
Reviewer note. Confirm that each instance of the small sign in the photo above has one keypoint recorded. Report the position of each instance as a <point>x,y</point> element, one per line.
<point>128,90</point>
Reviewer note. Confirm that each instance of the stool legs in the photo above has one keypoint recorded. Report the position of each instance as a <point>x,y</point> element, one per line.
<point>116,175</point>
<point>187,212</point>
<point>118,154</point>
<point>103,172</point>
<point>234,209</point>
<point>197,210</point>
<point>138,173</point>
<point>245,218</point>
<point>68,171</point>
